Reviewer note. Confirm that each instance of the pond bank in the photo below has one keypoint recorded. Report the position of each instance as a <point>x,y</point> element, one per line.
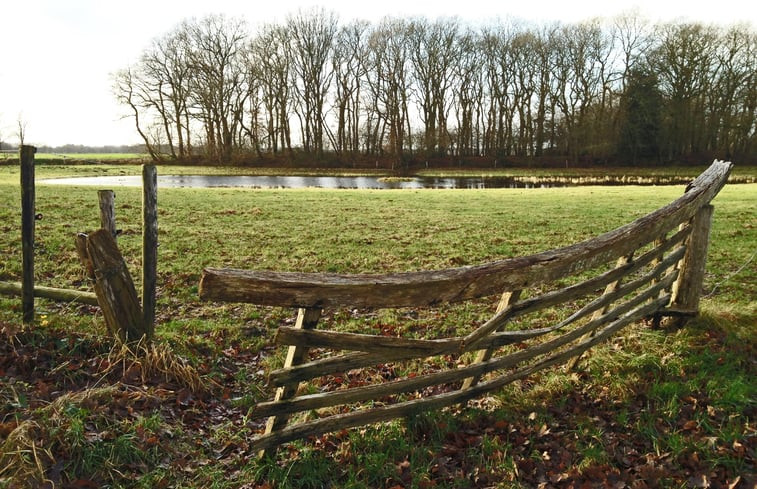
<point>532,176</point>
<point>363,182</point>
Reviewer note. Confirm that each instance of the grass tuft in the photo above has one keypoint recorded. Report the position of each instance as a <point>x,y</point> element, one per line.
<point>23,460</point>
<point>154,360</point>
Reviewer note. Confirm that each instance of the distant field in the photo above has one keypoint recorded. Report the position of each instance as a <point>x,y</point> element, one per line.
<point>740,173</point>
<point>60,157</point>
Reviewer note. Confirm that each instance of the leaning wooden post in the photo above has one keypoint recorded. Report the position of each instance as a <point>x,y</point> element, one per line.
<point>106,199</point>
<point>149,244</point>
<point>505,301</point>
<point>307,318</point>
<point>688,288</point>
<point>26,156</point>
<point>115,290</point>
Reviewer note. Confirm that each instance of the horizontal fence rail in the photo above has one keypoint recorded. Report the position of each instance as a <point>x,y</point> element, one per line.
<point>649,268</point>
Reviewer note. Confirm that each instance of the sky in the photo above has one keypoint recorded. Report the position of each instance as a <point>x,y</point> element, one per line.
<point>57,56</point>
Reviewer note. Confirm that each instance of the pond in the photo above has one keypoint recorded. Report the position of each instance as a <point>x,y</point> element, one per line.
<point>326,182</point>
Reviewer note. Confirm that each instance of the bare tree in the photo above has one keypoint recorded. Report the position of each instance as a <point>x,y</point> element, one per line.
<point>580,83</point>
<point>127,91</point>
<point>434,52</point>
<point>506,89</point>
<point>217,84</point>
<point>21,129</point>
<point>390,87</point>
<point>683,59</point>
<point>165,66</point>
<point>632,33</point>
<point>311,42</point>
<point>467,91</point>
<point>349,69</point>
<point>732,80</point>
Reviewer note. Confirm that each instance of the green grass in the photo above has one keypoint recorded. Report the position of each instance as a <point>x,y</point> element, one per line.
<point>680,402</point>
<point>46,158</point>
<point>742,173</point>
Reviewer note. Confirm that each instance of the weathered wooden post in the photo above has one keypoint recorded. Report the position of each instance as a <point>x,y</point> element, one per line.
<point>149,244</point>
<point>506,300</point>
<point>688,288</point>
<point>307,318</point>
<point>107,199</point>
<point>115,289</point>
<point>26,156</point>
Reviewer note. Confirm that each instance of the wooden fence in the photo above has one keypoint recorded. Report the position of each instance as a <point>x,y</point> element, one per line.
<point>114,292</point>
<point>650,268</point>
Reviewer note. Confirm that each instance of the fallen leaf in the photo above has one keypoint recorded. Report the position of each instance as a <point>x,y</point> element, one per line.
<point>7,428</point>
<point>738,448</point>
<point>701,481</point>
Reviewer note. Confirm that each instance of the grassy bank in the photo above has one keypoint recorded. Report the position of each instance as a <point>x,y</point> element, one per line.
<point>57,168</point>
<point>80,158</point>
<point>672,406</point>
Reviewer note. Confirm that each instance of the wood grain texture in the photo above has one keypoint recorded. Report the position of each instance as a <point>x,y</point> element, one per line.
<point>115,289</point>
<point>149,245</point>
<point>340,363</point>
<point>107,201</point>
<point>688,288</point>
<point>476,369</point>
<point>26,157</point>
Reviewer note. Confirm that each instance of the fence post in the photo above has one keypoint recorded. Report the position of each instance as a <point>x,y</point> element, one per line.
<point>26,157</point>
<point>149,244</point>
<point>115,289</point>
<point>307,318</point>
<point>688,288</point>
<point>107,198</point>
<point>506,300</point>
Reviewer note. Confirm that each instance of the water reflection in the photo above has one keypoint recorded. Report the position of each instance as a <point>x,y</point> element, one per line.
<point>298,182</point>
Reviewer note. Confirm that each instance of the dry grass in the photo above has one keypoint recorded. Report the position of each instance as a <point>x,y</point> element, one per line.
<point>25,453</point>
<point>152,361</point>
<point>22,456</point>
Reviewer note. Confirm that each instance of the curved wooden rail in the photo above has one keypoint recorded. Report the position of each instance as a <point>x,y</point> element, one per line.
<point>658,266</point>
<point>425,288</point>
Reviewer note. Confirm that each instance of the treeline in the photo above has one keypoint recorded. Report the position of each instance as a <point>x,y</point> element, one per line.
<point>602,91</point>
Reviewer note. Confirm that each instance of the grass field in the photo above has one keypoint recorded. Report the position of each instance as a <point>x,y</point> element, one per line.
<point>86,157</point>
<point>747,174</point>
<point>56,166</point>
<point>672,406</point>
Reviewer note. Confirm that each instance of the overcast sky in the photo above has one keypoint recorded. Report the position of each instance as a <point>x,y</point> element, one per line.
<point>57,55</point>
